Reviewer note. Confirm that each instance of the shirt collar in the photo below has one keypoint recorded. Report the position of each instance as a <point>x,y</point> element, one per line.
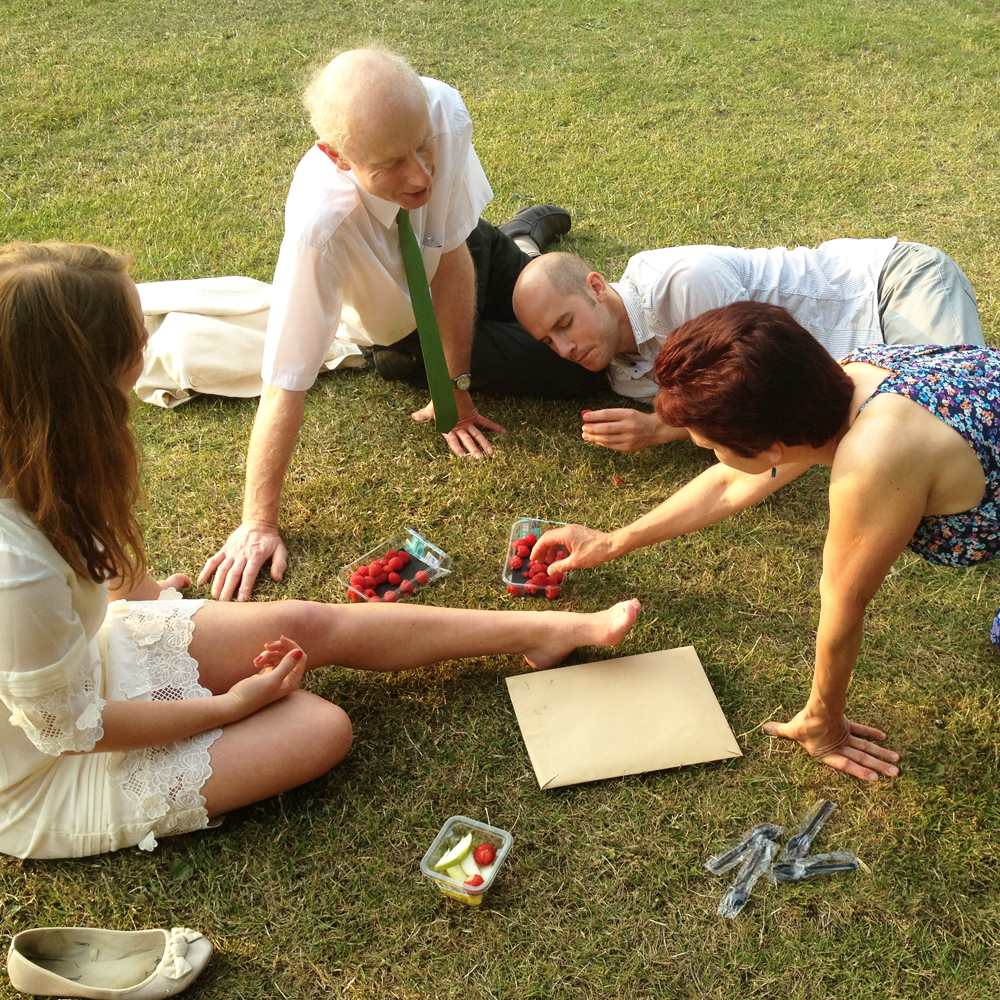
<point>378,208</point>
<point>635,312</point>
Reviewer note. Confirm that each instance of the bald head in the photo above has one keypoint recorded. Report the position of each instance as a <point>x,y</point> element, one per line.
<point>361,97</point>
<point>566,305</point>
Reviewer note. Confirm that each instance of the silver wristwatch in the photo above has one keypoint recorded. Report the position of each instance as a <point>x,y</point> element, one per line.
<point>462,382</point>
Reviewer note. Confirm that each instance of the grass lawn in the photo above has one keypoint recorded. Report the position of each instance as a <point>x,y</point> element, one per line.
<point>171,128</point>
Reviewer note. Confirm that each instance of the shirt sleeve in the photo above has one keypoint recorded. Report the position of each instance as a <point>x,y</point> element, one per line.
<point>470,194</point>
<point>306,305</point>
<point>52,682</point>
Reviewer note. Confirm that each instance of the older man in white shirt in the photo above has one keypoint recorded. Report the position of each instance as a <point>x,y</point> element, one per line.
<point>845,292</point>
<point>388,140</point>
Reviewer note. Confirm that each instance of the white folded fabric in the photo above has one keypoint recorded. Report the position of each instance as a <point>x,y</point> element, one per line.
<point>207,335</point>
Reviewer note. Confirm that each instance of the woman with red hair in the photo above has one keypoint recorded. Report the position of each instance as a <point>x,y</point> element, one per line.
<point>910,435</point>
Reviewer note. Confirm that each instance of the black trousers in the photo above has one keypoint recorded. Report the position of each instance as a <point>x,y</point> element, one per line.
<point>506,359</point>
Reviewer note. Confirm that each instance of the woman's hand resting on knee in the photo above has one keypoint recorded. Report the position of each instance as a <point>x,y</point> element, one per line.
<point>281,667</point>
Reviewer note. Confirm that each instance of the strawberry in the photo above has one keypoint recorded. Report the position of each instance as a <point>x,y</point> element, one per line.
<point>484,854</point>
<point>421,577</point>
<point>390,596</point>
<point>475,880</point>
<point>406,586</point>
<point>514,590</point>
<point>552,592</point>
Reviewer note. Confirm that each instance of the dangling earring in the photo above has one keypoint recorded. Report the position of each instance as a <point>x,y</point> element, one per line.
<point>774,471</point>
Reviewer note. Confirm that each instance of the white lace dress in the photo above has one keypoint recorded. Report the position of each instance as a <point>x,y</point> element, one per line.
<point>67,653</point>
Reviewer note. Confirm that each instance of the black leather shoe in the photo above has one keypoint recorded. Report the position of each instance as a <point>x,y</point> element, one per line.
<point>542,223</point>
<point>395,363</point>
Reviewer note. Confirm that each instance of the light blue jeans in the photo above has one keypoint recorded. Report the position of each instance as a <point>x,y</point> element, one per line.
<point>924,297</point>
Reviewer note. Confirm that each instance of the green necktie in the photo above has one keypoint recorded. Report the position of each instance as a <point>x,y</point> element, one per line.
<point>438,379</point>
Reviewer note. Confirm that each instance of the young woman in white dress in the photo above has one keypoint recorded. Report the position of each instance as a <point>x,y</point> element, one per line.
<point>153,715</point>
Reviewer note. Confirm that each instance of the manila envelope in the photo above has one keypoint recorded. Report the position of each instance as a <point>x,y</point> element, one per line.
<point>616,717</point>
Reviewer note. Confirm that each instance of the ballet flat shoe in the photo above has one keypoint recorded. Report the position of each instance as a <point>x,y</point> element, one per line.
<point>106,965</point>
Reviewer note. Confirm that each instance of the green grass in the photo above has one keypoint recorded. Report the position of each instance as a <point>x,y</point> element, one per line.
<point>172,128</point>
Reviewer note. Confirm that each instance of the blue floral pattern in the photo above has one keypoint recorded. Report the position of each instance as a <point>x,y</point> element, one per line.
<point>961,385</point>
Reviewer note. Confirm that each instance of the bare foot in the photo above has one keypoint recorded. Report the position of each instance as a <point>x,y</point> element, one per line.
<point>604,628</point>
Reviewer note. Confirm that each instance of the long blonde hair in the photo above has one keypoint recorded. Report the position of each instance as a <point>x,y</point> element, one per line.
<point>68,332</point>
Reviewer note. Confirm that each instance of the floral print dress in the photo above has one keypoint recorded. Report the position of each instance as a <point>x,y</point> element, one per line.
<point>961,386</point>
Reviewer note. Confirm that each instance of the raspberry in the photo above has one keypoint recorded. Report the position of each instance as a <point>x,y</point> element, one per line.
<point>405,556</point>
<point>484,854</point>
<point>406,587</point>
<point>357,580</point>
<point>421,577</point>
<point>391,554</point>
<point>530,589</point>
<point>556,577</point>
<point>363,570</point>
<point>514,590</point>
<point>370,593</point>
<point>523,551</point>
<point>381,578</point>
<point>516,563</point>
<point>393,578</point>
<point>390,596</point>
<point>530,539</point>
<point>552,592</point>
<point>376,567</point>
<point>374,599</point>
<point>475,880</point>
<point>395,564</point>
<point>354,595</point>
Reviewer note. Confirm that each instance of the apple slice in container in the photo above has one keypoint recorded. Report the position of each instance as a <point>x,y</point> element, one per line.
<point>455,855</point>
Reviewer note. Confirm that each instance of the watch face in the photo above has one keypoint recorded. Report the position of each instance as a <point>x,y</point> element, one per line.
<point>462,382</point>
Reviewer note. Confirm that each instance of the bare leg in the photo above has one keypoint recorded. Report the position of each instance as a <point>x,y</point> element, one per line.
<point>284,745</point>
<point>391,636</point>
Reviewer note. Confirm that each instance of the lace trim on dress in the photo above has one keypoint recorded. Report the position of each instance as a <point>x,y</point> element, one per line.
<point>68,718</point>
<point>164,782</point>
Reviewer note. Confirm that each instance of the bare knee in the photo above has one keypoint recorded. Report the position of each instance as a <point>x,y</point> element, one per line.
<point>310,624</point>
<point>325,728</point>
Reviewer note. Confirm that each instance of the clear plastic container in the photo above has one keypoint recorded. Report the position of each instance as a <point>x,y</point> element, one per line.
<point>425,557</point>
<point>454,829</point>
<point>516,578</point>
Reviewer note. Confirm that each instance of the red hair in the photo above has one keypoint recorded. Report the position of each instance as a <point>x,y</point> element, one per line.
<point>747,376</point>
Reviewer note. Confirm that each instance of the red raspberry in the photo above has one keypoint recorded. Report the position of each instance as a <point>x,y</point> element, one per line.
<point>381,578</point>
<point>393,578</point>
<point>370,592</point>
<point>516,563</point>
<point>484,854</point>
<point>475,880</point>
<point>368,583</point>
<point>374,599</point>
<point>357,580</point>
<point>406,587</point>
<point>530,589</point>
<point>376,567</point>
<point>514,590</point>
<point>405,556</point>
<point>556,577</point>
<point>395,564</point>
<point>552,592</point>
<point>523,551</point>
<point>363,570</point>
<point>530,539</point>
<point>421,577</point>
<point>391,554</point>
<point>354,595</point>
<point>390,596</point>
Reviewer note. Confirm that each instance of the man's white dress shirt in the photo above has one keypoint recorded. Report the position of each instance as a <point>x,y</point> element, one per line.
<point>340,270</point>
<point>832,291</point>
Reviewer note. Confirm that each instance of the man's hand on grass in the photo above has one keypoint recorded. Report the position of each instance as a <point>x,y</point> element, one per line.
<point>843,745</point>
<point>627,430</point>
<point>240,559</point>
<point>466,437</point>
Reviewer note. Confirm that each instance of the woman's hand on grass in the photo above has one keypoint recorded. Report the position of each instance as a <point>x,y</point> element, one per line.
<point>176,581</point>
<point>843,745</point>
<point>280,669</point>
